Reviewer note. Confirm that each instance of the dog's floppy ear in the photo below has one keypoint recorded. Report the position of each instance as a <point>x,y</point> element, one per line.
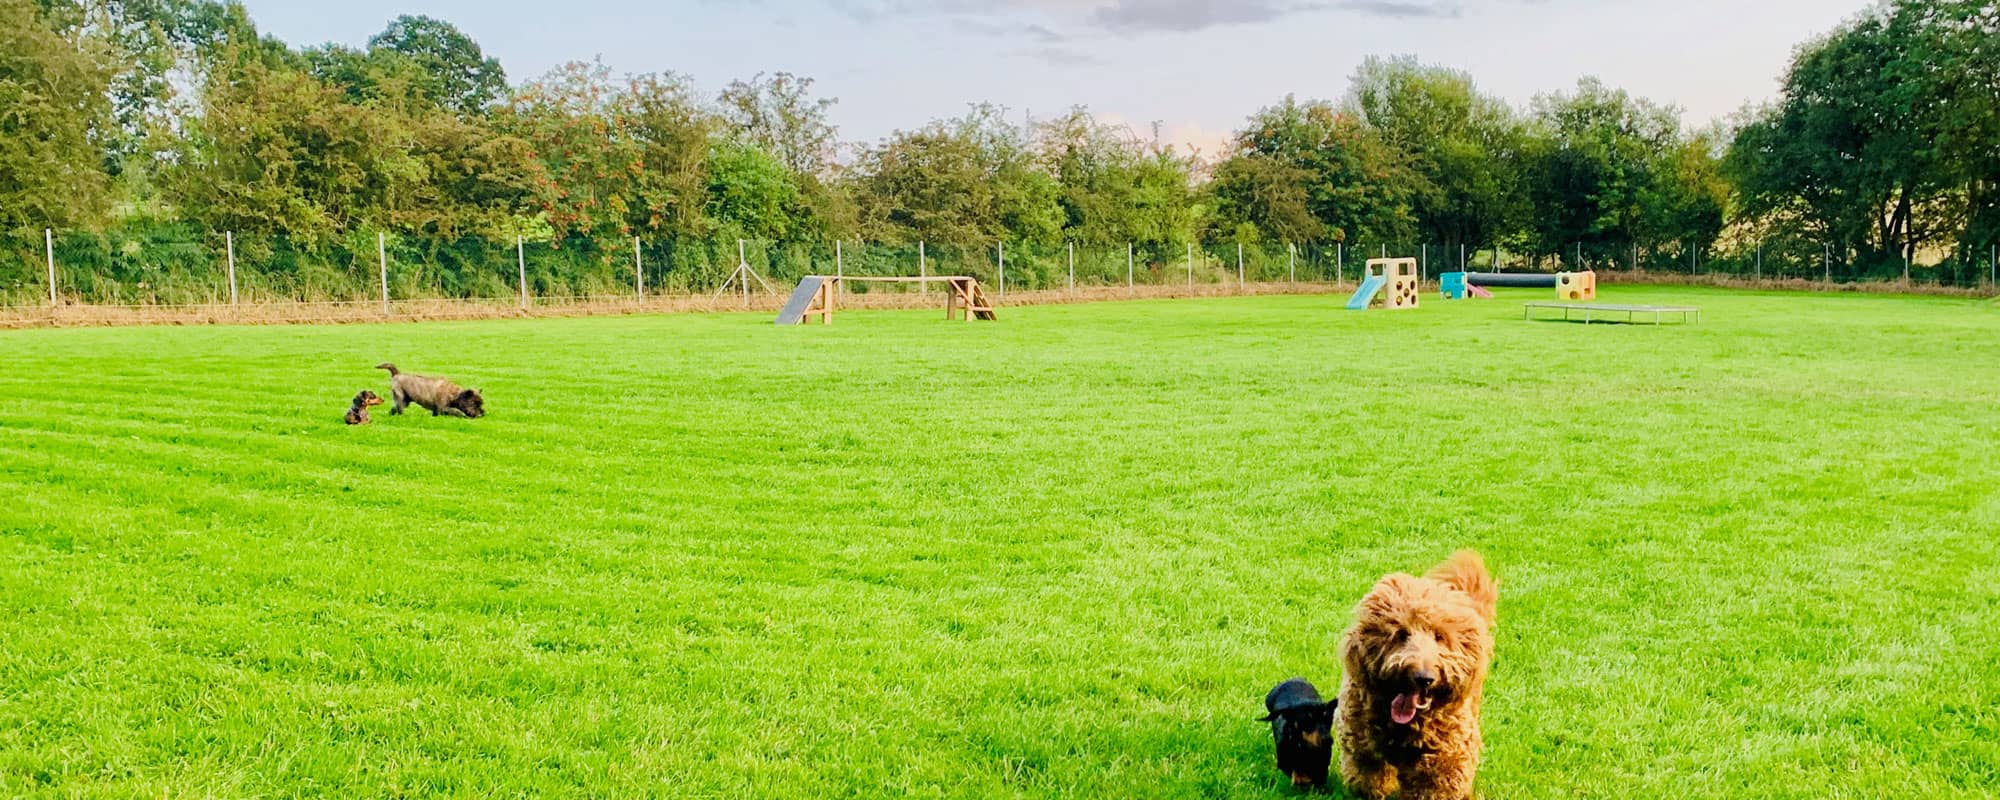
<point>1466,572</point>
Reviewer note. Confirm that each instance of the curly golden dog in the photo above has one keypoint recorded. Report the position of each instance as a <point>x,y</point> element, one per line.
<point>1416,661</point>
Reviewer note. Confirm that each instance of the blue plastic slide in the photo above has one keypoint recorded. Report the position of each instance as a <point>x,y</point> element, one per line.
<point>1366,294</point>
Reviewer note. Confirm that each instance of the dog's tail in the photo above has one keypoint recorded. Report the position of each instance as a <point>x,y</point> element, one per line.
<point>390,367</point>
<point>1466,572</point>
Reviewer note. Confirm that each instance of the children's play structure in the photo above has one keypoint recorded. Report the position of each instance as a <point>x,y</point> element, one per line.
<point>1576,287</point>
<point>1390,283</point>
<point>817,295</point>
<point>1454,286</point>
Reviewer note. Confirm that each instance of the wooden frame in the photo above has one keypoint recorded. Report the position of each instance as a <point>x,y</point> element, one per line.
<point>965,299</point>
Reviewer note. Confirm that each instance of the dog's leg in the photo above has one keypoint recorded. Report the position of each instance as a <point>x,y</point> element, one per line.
<point>402,400</point>
<point>1440,779</point>
<point>1367,778</point>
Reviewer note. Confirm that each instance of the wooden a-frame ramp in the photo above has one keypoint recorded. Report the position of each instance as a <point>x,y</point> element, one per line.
<point>818,294</point>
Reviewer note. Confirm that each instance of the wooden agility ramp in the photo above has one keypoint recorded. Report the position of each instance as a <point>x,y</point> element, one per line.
<point>817,296</point>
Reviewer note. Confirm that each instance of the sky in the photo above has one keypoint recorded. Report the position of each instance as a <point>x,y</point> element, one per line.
<point>1196,68</point>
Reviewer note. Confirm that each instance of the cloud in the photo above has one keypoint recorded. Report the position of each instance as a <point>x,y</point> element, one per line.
<point>1188,16</point>
<point>1061,56</point>
<point>1127,17</point>
<point>1032,32</point>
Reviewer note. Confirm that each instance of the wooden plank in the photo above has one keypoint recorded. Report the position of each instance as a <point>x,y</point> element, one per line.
<point>906,278</point>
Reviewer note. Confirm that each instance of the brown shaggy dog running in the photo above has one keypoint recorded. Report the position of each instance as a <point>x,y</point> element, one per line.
<point>439,395</point>
<point>1416,662</point>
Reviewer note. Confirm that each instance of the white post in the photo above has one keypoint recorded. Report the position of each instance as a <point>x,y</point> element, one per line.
<point>1423,262</point>
<point>382,258</point>
<point>839,267</point>
<point>1385,251</point>
<point>1993,269</point>
<point>49,247</point>
<point>1003,272</point>
<point>742,272</point>
<point>1461,257</point>
<point>1190,265</point>
<point>1239,266</point>
<point>1128,267</point>
<point>1072,267</point>
<point>229,246</point>
<point>923,269</point>
<point>1906,266</point>
<point>1826,261</point>
<point>638,270</point>
<point>1496,257</point>
<point>521,264</point>
<point>1760,261</point>
<point>1339,263</point>
<point>1292,261</point>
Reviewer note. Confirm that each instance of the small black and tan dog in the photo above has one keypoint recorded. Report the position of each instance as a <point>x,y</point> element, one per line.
<point>358,413</point>
<point>1302,727</point>
<point>439,395</point>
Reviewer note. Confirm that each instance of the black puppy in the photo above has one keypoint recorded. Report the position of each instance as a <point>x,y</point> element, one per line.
<point>1302,727</point>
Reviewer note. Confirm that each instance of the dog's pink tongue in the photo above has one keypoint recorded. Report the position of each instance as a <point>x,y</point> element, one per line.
<point>1403,708</point>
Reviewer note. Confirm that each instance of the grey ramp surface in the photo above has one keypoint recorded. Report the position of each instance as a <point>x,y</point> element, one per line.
<point>795,308</point>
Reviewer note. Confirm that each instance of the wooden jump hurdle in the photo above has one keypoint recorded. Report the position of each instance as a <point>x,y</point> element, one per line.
<point>818,294</point>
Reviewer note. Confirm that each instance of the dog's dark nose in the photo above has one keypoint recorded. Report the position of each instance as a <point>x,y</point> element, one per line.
<point>1424,679</point>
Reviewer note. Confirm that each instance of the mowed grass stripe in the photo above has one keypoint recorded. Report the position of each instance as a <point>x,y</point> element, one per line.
<point>1061,555</point>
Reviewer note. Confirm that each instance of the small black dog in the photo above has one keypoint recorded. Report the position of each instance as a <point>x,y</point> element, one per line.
<point>358,413</point>
<point>1302,727</point>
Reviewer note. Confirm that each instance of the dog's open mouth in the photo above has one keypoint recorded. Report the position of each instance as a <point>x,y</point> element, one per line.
<point>1406,706</point>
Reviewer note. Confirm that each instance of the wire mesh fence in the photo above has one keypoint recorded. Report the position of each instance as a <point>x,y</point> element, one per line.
<point>179,265</point>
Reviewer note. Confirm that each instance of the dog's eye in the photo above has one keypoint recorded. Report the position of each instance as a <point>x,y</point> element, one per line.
<point>1401,634</point>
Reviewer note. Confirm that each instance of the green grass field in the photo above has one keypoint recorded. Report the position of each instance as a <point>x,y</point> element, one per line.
<point>1063,555</point>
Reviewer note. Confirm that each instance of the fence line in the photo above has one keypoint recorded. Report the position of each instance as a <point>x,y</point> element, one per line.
<point>87,270</point>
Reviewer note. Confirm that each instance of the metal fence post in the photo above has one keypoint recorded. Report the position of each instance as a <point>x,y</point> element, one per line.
<point>382,257</point>
<point>1292,262</point>
<point>229,247</point>
<point>1190,259</point>
<point>49,247</point>
<point>638,270</point>
<point>1003,272</point>
<point>1239,267</point>
<point>521,264</point>
<point>1128,268</point>
<point>1072,267</point>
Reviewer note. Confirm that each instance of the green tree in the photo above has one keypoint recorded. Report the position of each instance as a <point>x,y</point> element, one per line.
<point>1863,147</point>
<point>1354,185</point>
<point>457,73</point>
<point>1596,159</point>
<point>676,135</point>
<point>1462,146</point>
<point>1111,187</point>
<point>967,181</point>
<point>54,94</point>
<point>588,160</point>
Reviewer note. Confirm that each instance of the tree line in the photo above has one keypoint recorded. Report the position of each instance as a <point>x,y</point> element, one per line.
<point>144,129</point>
